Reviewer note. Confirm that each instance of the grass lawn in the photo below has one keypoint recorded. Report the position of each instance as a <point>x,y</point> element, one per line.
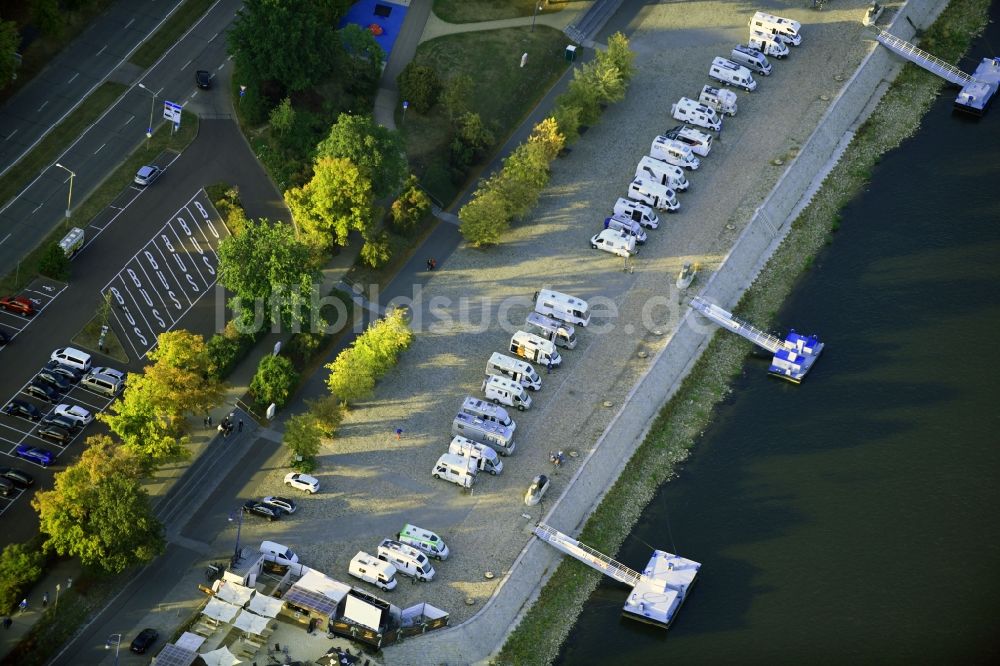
<point>471,11</point>
<point>169,32</point>
<point>504,93</point>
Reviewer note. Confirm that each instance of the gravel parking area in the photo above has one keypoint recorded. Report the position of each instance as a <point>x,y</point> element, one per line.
<point>374,483</point>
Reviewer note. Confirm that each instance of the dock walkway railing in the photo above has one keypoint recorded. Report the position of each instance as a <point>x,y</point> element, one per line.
<point>726,319</point>
<point>920,57</point>
<point>587,555</point>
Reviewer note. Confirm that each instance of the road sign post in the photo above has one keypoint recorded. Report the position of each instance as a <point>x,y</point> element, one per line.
<point>172,112</point>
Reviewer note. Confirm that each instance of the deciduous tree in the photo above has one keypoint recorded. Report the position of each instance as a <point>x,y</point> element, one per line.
<point>377,151</point>
<point>19,568</point>
<point>485,219</point>
<point>619,55</point>
<point>274,380</point>
<point>303,437</point>
<point>10,39</point>
<point>420,86</point>
<point>335,202</point>
<point>411,206</point>
<point>147,431</point>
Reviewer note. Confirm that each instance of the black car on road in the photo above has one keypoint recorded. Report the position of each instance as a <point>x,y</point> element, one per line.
<point>203,79</point>
<point>262,510</point>
<point>144,640</point>
<point>22,408</point>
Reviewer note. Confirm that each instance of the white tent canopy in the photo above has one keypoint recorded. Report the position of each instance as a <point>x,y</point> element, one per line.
<point>220,657</point>
<point>190,641</point>
<point>266,606</point>
<point>217,609</point>
<point>254,624</point>
<point>234,593</point>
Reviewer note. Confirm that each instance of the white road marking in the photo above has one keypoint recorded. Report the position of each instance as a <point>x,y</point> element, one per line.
<point>102,49</point>
<point>43,105</point>
<point>4,239</point>
<point>73,77</point>
<point>99,149</point>
<point>128,24</point>
<point>185,65</point>
<point>130,119</point>
<point>11,134</point>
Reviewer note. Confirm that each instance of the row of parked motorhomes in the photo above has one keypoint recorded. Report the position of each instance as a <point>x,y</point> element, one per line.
<point>660,175</point>
<point>482,429</point>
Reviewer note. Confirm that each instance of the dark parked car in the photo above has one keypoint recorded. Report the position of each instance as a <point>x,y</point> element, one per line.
<point>36,454</point>
<point>17,304</point>
<point>63,422</point>
<point>203,79</point>
<point>55,433</point>
<point>22,408</point>
<point>4,338</point>
<point>7,488</point>
<point>56,380</point>
<point>144,640</point>
<point>72,374</point>
<point>38,389</point>
<point>262,510</point>
<point>17,477</point>
<point>283,503</point>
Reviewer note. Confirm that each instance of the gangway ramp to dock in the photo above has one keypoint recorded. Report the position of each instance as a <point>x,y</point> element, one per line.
<point>587,555</point>
<point>924,59</point>
<point>726,320</point>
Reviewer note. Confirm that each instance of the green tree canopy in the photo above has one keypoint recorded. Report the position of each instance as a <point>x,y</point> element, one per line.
<point>19,568</point>
<point>274,380</point>
<point>420,86</point>
<point>377,151</point>
<point>364,57</point>
<point>411,206</point>
<point>148,430</point>
<point>335,202</point>
<point>618,55</point>
<point>303,437</point>
<point>485,219</point>
<point>10,39</point>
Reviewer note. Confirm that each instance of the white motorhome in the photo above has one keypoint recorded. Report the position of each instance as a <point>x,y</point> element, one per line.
<point>652,193</point>
<point>775,25</point>
<point>689,111</point>
<point>751,59</point>
<point>627,227</point>
<point>560,333</point>
<point>486,458</point>
<point>699,142</point>
<point>506,392</point>
<point>373,570</point>
<point>723,101</point>
<point>660,172</point>
<point>562,306</point>
<point>626,209</point>
<point>457,469</point>
<point>615,242</point>
<point>732,74</point>
<point>408,560</point>
<point>425,540</point>
<point>520,371</point>
<point>498,437</point>
<point>768,44</point>
<point>673,152</point>
<point>487,411</point>
<point>535,348</point>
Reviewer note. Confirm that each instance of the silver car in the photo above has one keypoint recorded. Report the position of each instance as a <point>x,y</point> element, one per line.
<point>147,174</point>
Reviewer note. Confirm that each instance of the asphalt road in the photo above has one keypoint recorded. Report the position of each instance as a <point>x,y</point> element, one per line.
<point>40,207</point>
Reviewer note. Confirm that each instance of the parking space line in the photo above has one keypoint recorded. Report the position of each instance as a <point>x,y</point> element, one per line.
<point>180,285</point>
<point>128,337</point>
<point>138,309</point>
<point>202,223</point>
<point>166,307</point>
<point>180,244</point>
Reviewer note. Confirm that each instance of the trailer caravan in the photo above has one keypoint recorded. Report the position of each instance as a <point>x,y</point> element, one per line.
<point>562,334</point>
<point>723,101</point>
<point>520,371</point>
<point>768,44</point>
<point>486,458</point>
<point>673,152</point>
<point>732,74</point>
<point>562,306</point>
<point>637,212</point>
<point>492,434</point>
<point>660,172</point>
<point>535,348</point>
<point>775,25</point>
<point>751,59</point>
<point>689,111</point>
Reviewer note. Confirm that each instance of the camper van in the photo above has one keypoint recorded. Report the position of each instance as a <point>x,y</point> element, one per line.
<point>768,44</point>
<point>486,411</point>
<point>700,143</point>
<point>656,195</point>
<point>457,469</point>
<point>673,152</point>
<point>535,348</point>
<point>751,59</point>
<point>498,437</point>
<point>561,334</point>
<point>615,242</point>
<point>372,570</point>
<point>408,560</point>
<point>562,306</point>
<point>689,111</point>
<point>486,458</point>
<point>626,209</point>
<point>732,74</point>
<point>723,101</point>
<point>775,25</point>
<point>660,172</point>
<point>627,227</point>
<point>425,540</point>
<point>506,392</point>
<point>275,552</point>
<point>520,371</point>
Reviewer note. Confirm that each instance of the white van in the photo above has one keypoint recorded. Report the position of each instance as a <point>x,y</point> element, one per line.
<point>626,209</point>
<point>408,560</point>
<point>561,334</point>
<point>486,411</point>
<point>457,469</point>
<point>768,44</point>
<point>486,458</point>
<point>562,306</point>
<point>660,172</point>
<point>275,552</point>
<point>723,101</point>
<point>751,59</point>
<point>498,437</point>
<point>373,570</point>
<point>535,348</point>
<point>615,242</point>
<point>656,195</point>
<point>627,227</point>
<point>732,74</point>
<point>506,392</point>
<point>520,371</point>
<point>102,384</point>
<point>689,111</point>
<point>775,25</point>
<point>425,540</point>
<point>699,142</point>
<point>74,358</point>
<point>673,152</point>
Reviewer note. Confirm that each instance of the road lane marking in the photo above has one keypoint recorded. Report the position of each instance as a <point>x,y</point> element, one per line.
<point>185,65</point>
<point>128,24</point>
<point>11,134</point>
<point>130,119</point>
<point>73,77</point>
<point>99,149</point>
<point>43,105</point>
<point>213,38</point>
<point>102,49</point>
<point>4,239</point>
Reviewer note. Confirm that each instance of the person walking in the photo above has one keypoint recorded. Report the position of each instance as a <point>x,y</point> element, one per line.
<point>210,421</point>
<point>205,422</point>
<point>399,433</point>
<point>45,599</point>
<point>7,622</point>
<point>23,605</point>
<point>240,427</point>
<point>548,367</point>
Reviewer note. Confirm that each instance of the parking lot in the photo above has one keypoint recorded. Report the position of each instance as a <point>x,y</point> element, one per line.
<point>40,293</point>
<point>161,282</point>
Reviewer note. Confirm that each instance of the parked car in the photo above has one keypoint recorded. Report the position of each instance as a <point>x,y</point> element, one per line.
<point>7,488</point>
<point>147,174</point>
<point>22,408</point>
<point>203,79</point>
<point>72,374</point>
<point>74,412</point>
<point>17,304</point>
<point>263,510</point>
<point>110,372</point>
<point>35,454</point>
<point>56,380</point>
<point>54,433</point>
<point>38,389</point>
<point>63,422</point>
<point>4,339</point>
<point>283,503</point>
<point>309,484</point>
<point>539,485</point>
<point>17,477</point>
<point>144,640</point>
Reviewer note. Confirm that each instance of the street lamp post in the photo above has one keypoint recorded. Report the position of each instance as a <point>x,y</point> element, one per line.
<point>152,106</point>
<point>115,639</point>
<point>69,200</point>
<point>538,8</point>
<point>239,526</point>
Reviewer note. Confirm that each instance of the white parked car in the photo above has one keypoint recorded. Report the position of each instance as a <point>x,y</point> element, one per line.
<point>309,484</point>
<point>74,413</point>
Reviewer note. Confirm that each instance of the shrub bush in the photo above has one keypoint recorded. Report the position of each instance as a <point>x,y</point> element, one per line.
<point>274,380</point>
<point>420,86</point>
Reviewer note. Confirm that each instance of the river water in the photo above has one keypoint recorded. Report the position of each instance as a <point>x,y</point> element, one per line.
<point>854,518</point>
